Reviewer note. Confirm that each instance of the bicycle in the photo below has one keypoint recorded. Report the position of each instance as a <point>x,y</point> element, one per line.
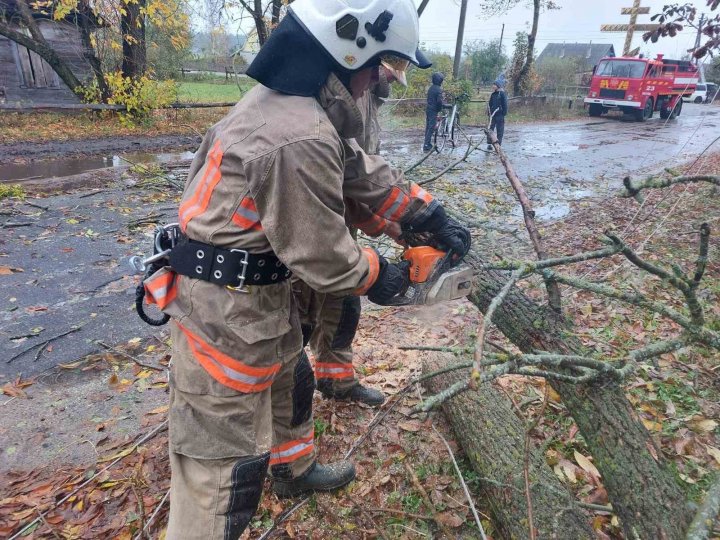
<point>447,127</point>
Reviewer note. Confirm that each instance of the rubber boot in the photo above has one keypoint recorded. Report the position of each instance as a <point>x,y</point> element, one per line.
<point>317,478</point>
<point>358,393</point>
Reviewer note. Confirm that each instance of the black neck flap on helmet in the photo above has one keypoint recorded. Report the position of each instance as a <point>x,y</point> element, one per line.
<point>292,61</point>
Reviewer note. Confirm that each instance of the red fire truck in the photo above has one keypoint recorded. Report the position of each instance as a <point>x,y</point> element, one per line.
<point>641,86</point>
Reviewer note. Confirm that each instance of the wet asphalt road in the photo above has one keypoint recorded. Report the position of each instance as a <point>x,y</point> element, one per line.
<point>73,254</point>
<point>565,161</point>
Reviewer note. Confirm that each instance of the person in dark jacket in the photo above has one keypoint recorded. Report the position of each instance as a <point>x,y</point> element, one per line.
<point>497,110</point>
<point>434,106</point>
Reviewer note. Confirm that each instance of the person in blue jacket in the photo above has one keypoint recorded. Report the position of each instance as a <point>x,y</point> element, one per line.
<point>497,110</point>
<point>434,106</point>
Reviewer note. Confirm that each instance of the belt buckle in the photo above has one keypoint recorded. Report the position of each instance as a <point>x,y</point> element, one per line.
<point>241,287</point>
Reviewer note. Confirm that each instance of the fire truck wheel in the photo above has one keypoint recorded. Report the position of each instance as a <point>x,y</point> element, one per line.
<point>646,112</point>
<point>677,110</point>
<point>596,109</point>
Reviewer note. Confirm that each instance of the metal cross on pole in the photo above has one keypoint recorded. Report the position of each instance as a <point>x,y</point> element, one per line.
<point>631,28</point>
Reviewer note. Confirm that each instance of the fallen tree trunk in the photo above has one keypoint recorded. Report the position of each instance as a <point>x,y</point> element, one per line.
<point>492,437</point>
<point>643,491</point>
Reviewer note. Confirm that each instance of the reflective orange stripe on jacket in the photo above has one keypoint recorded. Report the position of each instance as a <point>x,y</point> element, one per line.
<point>161,288</point>
<point>228,371</point>
<point>326,370</point>
<point>373,272</point>
<point>394,205</point>
<point>373,226</point>
<point>246,216</point>
<point>198,203</point>
<point>419,193</point>
<point>290,451</point>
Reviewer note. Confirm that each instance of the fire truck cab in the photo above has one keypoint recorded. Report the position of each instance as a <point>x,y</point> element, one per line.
<point>641,86</point>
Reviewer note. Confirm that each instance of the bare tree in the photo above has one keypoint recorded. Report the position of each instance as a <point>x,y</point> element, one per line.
<point>498,7</point>
<point>674,18</point>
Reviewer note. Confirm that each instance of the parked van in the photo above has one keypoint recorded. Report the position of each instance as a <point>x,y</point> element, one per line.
<point>699,95</point>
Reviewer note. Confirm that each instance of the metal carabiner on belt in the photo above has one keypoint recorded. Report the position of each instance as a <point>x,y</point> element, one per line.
<point>164,235</point>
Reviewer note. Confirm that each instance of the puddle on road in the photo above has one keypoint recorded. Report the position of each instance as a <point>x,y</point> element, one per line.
<point>547,148</point>
<point>58,168</point>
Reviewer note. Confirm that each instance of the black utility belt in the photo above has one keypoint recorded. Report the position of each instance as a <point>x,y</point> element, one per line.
<point>233,268</point>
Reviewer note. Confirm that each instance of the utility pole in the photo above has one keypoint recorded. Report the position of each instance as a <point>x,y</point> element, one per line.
<point>502,34</point>
<point>461,32</point>
<point>699,30</point>
<point>701,24</point>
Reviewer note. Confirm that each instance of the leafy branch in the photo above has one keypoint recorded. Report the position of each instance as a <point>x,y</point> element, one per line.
<point>580,369</point>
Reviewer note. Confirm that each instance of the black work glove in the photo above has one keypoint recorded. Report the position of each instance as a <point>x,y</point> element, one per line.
<point>448,232</point>
<point>393,280</point>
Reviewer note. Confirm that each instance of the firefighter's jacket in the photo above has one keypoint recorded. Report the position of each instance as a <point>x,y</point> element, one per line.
<point>271,176</point>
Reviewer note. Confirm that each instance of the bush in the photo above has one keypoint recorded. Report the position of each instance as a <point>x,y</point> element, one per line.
<point>555,73</point>
<point>139,96</point>
<point>11,190</point>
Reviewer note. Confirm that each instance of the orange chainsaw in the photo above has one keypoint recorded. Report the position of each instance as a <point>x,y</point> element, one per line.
<point>433,278</point>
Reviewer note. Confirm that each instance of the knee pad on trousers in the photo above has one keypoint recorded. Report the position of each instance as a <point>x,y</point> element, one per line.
<point>348,324</point>
<point>307,330</point>
<point>303,390</point>
<point>248,476</point>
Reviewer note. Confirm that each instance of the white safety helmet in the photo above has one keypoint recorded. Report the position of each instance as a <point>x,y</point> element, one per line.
<point>357,33</point>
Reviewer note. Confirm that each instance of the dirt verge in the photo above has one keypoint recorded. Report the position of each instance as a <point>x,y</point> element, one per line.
<point>28,151</point>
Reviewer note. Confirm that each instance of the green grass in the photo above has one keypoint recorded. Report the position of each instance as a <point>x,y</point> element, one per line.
<point>11,190</point>
<point>211,92</point>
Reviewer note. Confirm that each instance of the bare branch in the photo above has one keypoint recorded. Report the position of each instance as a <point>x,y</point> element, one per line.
<point>420,162</point>
<point>611,292</point>
<point>463,484</point>
<point>648,267</point>
<point>487,319</point>
<point>632,190</point>
<point>554,296</point>
<point>470,150</point>
<point>702,526</point>
<point>559,261</point>
<point>702,260</point>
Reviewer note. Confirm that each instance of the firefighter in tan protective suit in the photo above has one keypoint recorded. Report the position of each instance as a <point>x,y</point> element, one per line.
<point>264,201</point>
<point>329,322</point>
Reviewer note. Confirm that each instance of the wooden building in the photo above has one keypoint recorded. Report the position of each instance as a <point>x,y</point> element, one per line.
<point>585,56</point>
<point>25,78</point>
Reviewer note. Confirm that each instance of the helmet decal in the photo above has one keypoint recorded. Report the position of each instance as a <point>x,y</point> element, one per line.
<point>347,27</point>
<point>380,26</point>
<point>350,60</point>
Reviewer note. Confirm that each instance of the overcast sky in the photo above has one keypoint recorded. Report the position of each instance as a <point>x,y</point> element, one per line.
<point>577,21</point>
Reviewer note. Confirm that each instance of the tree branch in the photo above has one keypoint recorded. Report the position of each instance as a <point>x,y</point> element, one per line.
<point>554,296</point>
<point>634,190</point>
<point>702,526</point>
<point>559,261</point>
<point>470,150</point>
<point>702,259</point>
<point>487,319</point>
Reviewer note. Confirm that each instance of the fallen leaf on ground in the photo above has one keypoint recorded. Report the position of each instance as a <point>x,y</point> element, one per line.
<point>9,270</point>
<point>702,425</point>
<point>450,519</point>
<point>586,465</point>
<point>412,425</point>
<point>715,453</point>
